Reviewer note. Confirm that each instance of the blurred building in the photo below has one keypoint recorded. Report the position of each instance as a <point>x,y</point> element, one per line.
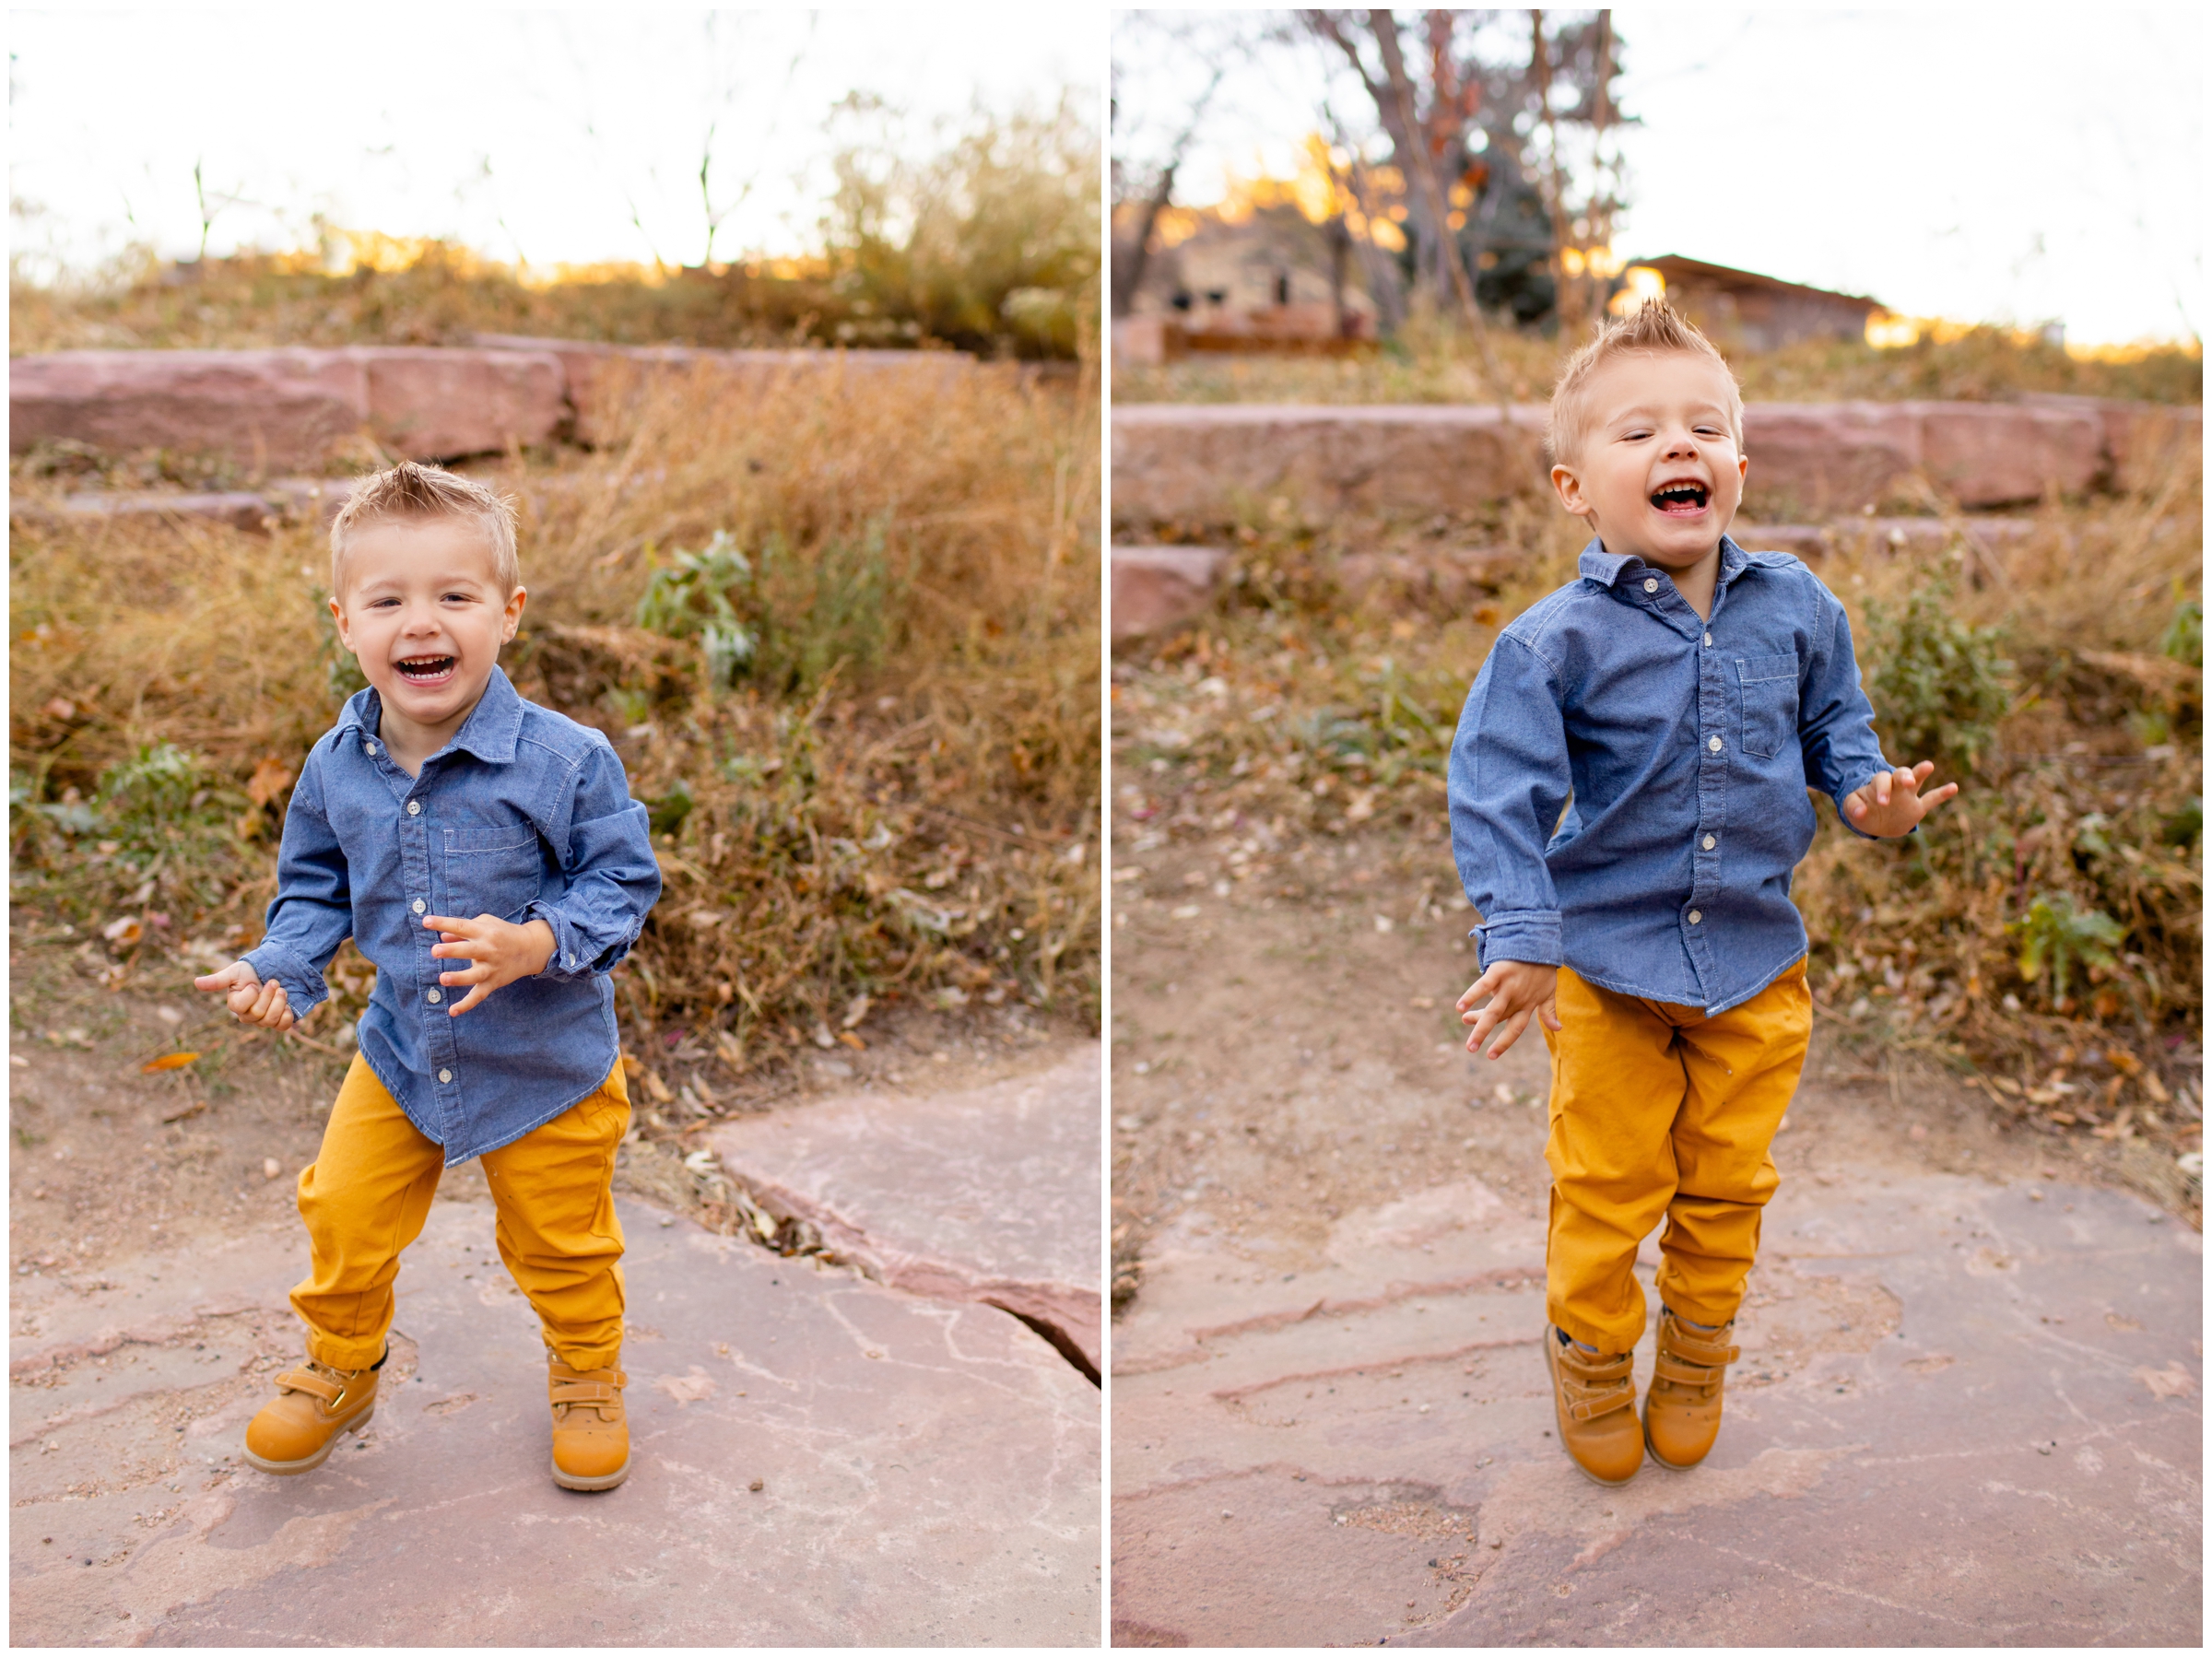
<point>1745,310</point>
<point>1267,279</point>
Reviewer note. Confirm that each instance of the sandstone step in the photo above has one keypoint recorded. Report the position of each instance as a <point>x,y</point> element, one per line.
<point>1157,589</point>
<point>815,1461</point>
<point>987,1195</point>
<point>1206,462</point>
<point>1358,1450</point>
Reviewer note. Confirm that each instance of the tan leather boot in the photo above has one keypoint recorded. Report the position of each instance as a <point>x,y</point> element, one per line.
<point>1682,1413</point>
<point>1595,1397</point>
<point>296,1430</point>
<point>590,1436</point>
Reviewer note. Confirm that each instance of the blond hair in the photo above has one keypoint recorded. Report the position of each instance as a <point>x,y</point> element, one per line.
<point>412,493</point>
<point>1653,327</point>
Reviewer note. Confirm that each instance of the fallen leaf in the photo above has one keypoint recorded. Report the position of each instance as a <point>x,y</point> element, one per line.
<point>852,1040</point>
<point>167,1061</point>
<point>192,1108</point>
<point>122,932</point>
<point>856,1012</point>
<point>2173,1381</point>
<point>270,777</point>
<point>2152,1085</point>
<point>656,1087</point>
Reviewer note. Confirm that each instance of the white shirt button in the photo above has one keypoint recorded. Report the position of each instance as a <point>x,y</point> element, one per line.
<point>1714,743</point>
<point>1651,583</point>
<point>1696,915</point>
<point>418,905</point>
<point>414,808</point>
<point>1709,642</point>
<point>437,996</point>
<point>445,1075</point>
<point>369,748</point>
<point>1710,842</point>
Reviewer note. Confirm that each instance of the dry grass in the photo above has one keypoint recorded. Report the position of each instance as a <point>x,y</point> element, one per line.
<point>1432,363</point>
<point>899,801</point>
<point>1321,698</point>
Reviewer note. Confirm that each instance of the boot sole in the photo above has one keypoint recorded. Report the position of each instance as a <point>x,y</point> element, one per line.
<point>605,1481</point>
<point>308,1463</point>
<point>1551,1367</point>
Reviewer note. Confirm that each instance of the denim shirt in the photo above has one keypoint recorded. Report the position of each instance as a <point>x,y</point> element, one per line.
<point>1628,783</point>
<point>525,815</point>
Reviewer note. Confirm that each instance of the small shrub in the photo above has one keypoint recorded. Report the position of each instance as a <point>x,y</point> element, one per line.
<point>2057,939</point>
<point>1938,684</point>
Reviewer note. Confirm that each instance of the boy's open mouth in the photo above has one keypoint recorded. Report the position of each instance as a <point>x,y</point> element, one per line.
<point>1683,498</point>
<point>425,670</point>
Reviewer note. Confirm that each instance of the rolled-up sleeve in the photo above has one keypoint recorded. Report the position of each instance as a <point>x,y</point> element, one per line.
<point>614,878</point>
<point>313,912</point>
<point>1835,721</point>
<point>1509,782</point>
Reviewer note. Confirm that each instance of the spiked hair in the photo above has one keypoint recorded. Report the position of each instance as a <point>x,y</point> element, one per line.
<point>409,492</point>
<point>1653,327</point>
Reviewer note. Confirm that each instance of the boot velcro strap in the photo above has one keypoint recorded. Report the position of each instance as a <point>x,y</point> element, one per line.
<point>1590,1409</point>
<point>1588,1370</point>
<point>585,1391</point>
<point>1667,1366</point>
<point>304,1380</point>
<point>1699,1352</point>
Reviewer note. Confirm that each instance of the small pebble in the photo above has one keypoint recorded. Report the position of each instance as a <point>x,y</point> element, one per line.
<point>757,1484</point>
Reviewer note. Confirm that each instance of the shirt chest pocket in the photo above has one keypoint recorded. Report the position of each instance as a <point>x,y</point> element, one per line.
<point>491,871</point>
<point>1767,703</point>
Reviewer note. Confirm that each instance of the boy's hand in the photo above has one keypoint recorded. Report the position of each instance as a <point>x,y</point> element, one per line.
<point>1516,989</point>
<point>251,999</point>
<point>1892,803</point>
<point>499,950</point>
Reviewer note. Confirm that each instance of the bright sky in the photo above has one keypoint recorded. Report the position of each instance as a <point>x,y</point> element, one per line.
<point>2012,166</point>
<point>534,131</point>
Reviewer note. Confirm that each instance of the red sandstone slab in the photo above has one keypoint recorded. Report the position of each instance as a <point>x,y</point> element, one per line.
<point>1999,453</point>
<point>1157,589</point>
<point>266,410</point>
<point>1966,1414</point>
<point>816,1460</point>
<point>436,404</point>
<point>989,1194</point>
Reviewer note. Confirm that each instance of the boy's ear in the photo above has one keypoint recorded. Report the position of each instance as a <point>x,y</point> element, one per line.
<point>515,601</point>
<point>338,614</point>
<point>1570,488</point>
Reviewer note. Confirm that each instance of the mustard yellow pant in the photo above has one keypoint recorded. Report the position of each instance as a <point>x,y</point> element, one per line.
<point>368,1192</point>
<point>1657,1110</point>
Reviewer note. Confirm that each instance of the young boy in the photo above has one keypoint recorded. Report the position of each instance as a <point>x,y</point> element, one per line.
<point>1627,799</point>
<point>485,854</point>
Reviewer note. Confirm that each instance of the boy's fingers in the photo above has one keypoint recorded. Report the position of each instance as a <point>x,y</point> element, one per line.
<point>1549,1013</point>
<point>450,924</point>
<point>475,974</point>
<point>1881,789</point>
<point>1923,770</point>
<point>470,1000</point>
<point>1513,1027</point>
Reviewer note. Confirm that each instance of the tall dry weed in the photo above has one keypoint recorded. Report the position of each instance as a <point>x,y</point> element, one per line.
<point>900,801</point>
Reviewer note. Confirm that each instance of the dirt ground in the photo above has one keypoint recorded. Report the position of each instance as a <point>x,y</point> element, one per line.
<point>1285,1049</point>
<point>110,1161</point>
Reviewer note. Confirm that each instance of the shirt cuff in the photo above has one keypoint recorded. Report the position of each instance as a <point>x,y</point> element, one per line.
<point>572,955</point>
<point>304,989</point>
<point>1531,935</point>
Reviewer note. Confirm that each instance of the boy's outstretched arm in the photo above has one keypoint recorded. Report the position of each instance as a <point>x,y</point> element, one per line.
<point>1892,803</point>
<point>1509,783</point>
<point>279,981</point>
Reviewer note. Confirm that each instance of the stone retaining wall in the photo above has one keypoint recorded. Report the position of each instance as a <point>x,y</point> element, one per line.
<point>288,410</point>
<point>1204,462</point>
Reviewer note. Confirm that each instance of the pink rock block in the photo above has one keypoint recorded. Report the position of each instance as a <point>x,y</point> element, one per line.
<point>1825,457</point>
<point>432,404</point>
<point>991,1194</point>
<point>2141,439</point>
<point>236,508</point>
<point>1997,453</point>
<point>1157,589</point>
<point>263,409</point>
<point>605,382</point>
<point>1200,461</point>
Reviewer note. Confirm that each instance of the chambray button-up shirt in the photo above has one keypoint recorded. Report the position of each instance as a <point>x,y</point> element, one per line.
<point>525,815</point>
<point>1627,784</point>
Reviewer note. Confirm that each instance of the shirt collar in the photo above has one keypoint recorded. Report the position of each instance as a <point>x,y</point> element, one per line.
<point>488,732</point>
<point>1608,568</point>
